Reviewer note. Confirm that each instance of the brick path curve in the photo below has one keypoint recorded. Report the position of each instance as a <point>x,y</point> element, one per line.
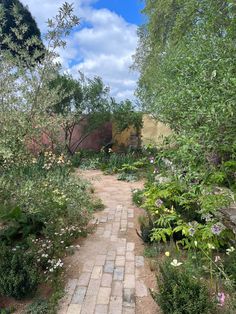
<point>111,270</point>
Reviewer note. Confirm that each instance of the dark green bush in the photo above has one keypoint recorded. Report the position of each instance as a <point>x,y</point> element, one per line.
<point>181,293</point>
<point>19,276</point>
<point>76,159</point>
<point>20,224</point>
<point>146,226</point>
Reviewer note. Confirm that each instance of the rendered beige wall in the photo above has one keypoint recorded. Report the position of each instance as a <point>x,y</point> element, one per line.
<point>153,132</point>
<point>122,139</point>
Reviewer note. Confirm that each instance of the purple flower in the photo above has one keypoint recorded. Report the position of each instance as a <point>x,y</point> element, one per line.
<point>159,203</point>
<point>216,229</point>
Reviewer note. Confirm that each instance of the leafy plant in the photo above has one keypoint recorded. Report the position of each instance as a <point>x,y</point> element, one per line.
<point>137,197</point>
<point>127,177</point>
<point>38,307</point>
<point>181,293</point>
<point>20,224</point>
<point>19,275</point>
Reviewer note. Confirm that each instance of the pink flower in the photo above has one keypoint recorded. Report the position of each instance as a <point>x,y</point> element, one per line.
<point>221,298</point>
<point>217,258</point>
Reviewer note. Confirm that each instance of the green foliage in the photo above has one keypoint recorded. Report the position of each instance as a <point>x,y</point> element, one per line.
<point>116,161</point>
<point>87,103</point>
<point>230,266</point>
<point>129,177</point>
<point>180,292</point>
<point>151,251</point>
<point>137,197</point>
<point>98,205</point>
<point>38,307</point>
<point>19,275</point>
<point>76,159</point>
<point>125,115</point>
<point>20,224</point>
<point>17,16</point>
<point>127,168</point>
<point>50,305</point>
<point>90,163</point>
<point>44,207</point>
<point>186,213</point>
<point>186,59</point>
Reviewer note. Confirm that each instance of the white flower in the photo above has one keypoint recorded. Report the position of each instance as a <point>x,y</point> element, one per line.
<point>175,263</point>
<point>230,250</point>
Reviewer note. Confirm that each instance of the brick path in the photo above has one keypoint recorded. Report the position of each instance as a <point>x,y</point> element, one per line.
<point>108,273</point>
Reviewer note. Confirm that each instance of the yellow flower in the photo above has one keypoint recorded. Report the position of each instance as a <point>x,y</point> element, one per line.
<point>167,253</point>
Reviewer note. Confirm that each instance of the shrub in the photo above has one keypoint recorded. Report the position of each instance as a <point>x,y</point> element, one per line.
<point>19,276</point>
<point>76,159</point>
<point>181,293</point>
<point>137,197</point>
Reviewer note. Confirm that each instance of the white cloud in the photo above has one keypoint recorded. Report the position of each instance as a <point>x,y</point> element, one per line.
<point>102,47</point>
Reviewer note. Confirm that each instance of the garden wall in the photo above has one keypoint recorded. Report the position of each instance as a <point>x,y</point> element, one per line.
<point>153,132</point>
<point>96,140</point>
<point>129,138</point>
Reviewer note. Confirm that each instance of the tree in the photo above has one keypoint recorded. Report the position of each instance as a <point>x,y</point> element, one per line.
<point>188,69</point>
<point>87,103</point>
<point>11,28</point>
<point>26,97</point>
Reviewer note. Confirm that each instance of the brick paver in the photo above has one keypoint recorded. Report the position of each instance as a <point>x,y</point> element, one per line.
<point>107,281</point>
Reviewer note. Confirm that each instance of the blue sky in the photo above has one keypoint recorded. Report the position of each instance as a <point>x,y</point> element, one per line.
<point>128,9</point>
<point>105,42</point>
